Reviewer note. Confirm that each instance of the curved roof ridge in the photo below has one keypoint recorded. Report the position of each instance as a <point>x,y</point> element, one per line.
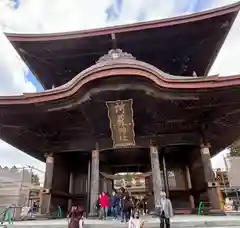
<point>162,75</point>
<point>169,82</point>
<point>122,28</point>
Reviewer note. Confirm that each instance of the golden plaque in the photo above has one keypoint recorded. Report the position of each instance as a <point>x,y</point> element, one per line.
<point>120,114</point>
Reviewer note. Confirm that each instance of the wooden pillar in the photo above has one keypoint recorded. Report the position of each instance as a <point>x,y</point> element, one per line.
<point>105,185</point>
<point>209,177</point>
<point>156,174</point>
<point>70,191</point>
<point>46,197</point>
<point>94,183</point>
<point>165,175</point>
<point>189,186</point>
<point>109,185</point>
<point>88,187</point>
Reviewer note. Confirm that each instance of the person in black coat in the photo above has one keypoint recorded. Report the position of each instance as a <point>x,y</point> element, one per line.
<point>115,204</point>
<point>124,197</point>
<point>127,207</point>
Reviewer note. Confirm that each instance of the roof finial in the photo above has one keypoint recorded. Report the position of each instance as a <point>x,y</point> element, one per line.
<point>194,74</point>
<point>114,41</point>
<point>114,54</point>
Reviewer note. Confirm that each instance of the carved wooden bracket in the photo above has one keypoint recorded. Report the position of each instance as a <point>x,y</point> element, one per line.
<point>115,54</point>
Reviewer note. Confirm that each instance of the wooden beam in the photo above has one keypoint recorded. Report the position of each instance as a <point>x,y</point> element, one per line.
<point>128,165</point>
<point>187,138</point>
<point>216,106</point>
<point>11,126</point>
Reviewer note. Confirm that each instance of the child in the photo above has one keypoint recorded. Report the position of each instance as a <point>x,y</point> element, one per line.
<point>135,221</point>
<point>76,219</point>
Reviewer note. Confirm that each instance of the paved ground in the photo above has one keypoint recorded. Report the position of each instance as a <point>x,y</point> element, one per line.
<point>177,222</point>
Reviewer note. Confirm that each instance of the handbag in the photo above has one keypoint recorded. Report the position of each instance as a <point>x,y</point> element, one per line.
<point>157,211</point>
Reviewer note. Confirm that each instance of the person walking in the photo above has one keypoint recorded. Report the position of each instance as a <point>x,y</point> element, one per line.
<point>104,201</point>
<point>115,202</point>
<point>34,209</point>
<point>123,198</point>
<point>98,207</point>
<point>164,210</point>
<point>75,217</point>
<point>127,207</point>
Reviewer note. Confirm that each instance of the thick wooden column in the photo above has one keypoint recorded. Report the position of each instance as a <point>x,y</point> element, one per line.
<point>209,177</point>
<point>156,174</point>
<point>165,175</point>
<point>46,198</point>
<point>105,185</point>
<point>94,183</point>
<point>88,187</point>
<point>70,190</point>
<point>189,187</point>
<point>109,186</point>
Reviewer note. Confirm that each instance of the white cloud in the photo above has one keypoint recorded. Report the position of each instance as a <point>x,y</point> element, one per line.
<point>12,71</point>
<point>12,82</point>
<point>227,62</point>
<point>38,16</point>
<point>218,160</point>
<point>8,153</point>
<point>151,9</point>
<point>41,16</point>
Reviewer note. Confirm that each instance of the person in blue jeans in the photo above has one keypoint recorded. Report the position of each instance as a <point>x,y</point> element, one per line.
<point>115,202</point>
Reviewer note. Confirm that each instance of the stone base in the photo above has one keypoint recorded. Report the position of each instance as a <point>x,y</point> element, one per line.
<point>46,202</point>
<point>93,215</point>
<point>216,212</point>
<point>213,212</point>
<point>178,221</point>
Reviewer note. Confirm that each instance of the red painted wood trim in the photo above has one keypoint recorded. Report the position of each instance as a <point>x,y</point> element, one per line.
<point>132,68</point>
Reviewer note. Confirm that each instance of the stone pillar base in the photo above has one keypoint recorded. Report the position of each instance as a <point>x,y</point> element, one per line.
<point>46,203</point>
<point>213,198</point>
<point>93,214</point>
<point>217,212</point>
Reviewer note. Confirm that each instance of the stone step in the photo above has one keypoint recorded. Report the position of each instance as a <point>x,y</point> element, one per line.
<point>125,226</point>
<point>177,222</point>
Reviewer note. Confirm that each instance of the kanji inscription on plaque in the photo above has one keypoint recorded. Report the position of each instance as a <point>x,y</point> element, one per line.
<point>120,115</point>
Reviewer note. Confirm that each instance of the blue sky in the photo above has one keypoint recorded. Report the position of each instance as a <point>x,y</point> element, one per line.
<point>16,3</point>
<point>31,77</point>
<point>44,16</point>
<point>115,9</point>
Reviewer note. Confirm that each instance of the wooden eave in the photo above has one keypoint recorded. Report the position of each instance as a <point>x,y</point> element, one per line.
<point>125,28</point>
<point>124,68</point>
<point>46,54</point>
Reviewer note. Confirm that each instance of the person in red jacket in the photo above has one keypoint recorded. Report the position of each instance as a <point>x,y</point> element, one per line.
<point>104,201</point>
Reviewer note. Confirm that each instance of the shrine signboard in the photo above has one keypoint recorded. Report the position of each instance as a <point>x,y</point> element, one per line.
<point>120,115</point>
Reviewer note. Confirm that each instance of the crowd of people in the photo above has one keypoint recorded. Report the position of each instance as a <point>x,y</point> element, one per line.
<point>119,205</point>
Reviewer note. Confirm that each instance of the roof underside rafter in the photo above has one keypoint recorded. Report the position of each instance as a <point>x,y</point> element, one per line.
<point>180,46</point>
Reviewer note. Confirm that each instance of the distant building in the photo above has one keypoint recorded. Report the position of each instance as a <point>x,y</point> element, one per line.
<point>222,178</point>
<point>234,172</point>
<point>18,186</point>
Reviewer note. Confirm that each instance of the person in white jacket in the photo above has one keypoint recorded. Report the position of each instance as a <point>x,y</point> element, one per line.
<point>165,210</point>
